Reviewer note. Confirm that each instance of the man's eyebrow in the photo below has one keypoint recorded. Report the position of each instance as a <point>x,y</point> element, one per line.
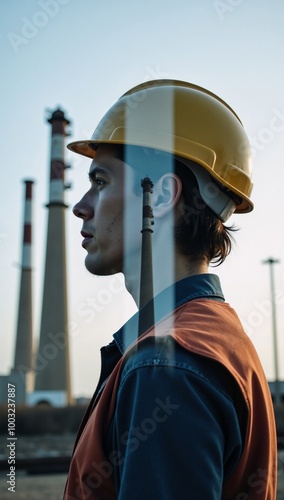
<point>96,170</point>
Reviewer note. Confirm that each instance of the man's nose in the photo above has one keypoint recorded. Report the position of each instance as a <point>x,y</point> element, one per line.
<point>83,209</point>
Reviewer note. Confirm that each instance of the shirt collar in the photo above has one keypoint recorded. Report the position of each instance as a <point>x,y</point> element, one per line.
<point>193,287</point>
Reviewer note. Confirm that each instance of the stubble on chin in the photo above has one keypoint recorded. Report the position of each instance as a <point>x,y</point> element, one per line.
<point>98,269</point>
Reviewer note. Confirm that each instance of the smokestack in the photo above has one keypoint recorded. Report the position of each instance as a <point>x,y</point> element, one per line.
<point>23,349</point>
<point>146,273</point>
<point>52,369</point>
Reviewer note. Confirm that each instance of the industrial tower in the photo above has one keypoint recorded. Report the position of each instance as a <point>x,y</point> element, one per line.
<point>52,370</point>
<point>24,338</point>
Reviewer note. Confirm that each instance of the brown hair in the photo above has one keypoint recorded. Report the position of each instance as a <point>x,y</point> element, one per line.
<point>199,233</point>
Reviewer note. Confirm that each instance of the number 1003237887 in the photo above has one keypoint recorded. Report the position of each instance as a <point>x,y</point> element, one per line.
<point>11,409</point>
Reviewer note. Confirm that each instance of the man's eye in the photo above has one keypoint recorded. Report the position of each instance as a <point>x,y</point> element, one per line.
<point>99,182</point>
<point>95,179</point>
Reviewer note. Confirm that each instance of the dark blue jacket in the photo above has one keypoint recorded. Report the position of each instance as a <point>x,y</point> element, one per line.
<point>180,419</point>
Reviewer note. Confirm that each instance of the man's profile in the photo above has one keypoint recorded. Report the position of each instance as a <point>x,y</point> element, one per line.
<point>182,408</point>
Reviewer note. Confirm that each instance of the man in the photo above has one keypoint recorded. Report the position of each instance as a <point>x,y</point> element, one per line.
<point>182,409</point>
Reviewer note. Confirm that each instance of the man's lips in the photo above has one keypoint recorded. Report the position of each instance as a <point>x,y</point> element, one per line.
<point>87,238</point>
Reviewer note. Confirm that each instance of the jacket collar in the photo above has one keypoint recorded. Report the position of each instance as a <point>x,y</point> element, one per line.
<point>193,287</point>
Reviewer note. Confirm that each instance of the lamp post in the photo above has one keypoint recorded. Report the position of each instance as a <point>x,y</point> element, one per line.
<point>271,263</point>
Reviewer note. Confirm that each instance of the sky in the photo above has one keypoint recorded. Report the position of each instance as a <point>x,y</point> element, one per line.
<point>82,56</point>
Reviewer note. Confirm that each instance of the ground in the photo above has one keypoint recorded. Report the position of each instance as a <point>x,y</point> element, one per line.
<point>51,486</point>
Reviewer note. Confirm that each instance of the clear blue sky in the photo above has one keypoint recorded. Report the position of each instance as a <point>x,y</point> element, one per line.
<point>82,55</point>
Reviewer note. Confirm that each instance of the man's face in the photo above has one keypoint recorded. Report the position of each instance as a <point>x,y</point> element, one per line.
<point>105,211</point>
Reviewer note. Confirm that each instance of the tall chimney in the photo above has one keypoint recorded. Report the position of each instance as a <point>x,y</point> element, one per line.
<point>52,370</point>
<point>146,273</point>
<point>23,349</point>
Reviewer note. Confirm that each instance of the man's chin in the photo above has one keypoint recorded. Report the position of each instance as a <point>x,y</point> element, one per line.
<point>98,269</point>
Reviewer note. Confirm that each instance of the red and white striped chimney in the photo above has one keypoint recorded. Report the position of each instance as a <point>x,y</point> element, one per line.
<point>52,370</point>
<point>23,349</point>
<point>57,162</point>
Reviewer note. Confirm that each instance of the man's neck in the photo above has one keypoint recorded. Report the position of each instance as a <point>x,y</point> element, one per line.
<point>165,274</point>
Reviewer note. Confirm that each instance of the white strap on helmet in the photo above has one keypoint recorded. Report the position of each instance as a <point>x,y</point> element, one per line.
<point>219,202</point>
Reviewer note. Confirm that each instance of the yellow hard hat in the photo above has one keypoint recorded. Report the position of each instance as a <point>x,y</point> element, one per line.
<point>188,121</point>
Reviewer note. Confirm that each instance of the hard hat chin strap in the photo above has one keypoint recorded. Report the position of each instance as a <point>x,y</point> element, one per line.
<point>219,202</point>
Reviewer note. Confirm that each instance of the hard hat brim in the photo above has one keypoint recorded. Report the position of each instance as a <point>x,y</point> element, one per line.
<point>87,148</point>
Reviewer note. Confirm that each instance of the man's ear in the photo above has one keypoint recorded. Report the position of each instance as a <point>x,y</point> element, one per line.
<point>166,194</point>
